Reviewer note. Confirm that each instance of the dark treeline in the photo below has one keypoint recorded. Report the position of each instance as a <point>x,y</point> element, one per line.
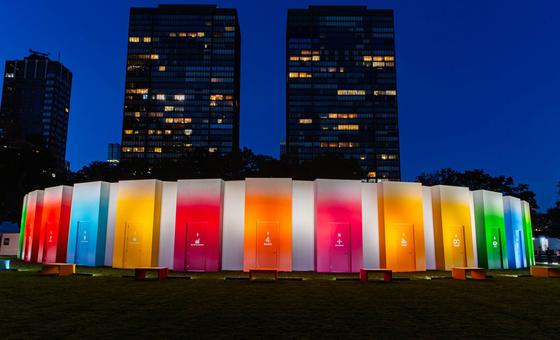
<point>24,168</point>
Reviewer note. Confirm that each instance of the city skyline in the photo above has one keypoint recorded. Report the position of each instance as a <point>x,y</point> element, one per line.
<point>499,92</point>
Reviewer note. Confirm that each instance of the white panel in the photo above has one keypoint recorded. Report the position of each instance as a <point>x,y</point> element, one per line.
<point>11,249</point>
<point>370,225</point>
<point>167,224</point>
<point>111,217</point>
<point>233,225</point>
<point>429,242</point>
<point>303,226</point>
<point>471,206</point>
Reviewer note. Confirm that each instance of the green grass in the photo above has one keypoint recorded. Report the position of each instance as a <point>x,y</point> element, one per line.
<point>108,305</point>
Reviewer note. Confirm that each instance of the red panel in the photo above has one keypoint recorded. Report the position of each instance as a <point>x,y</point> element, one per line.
<point>198,226</point>
<point>33,226</point>
<point>338,226</point>
<point>54,224</point>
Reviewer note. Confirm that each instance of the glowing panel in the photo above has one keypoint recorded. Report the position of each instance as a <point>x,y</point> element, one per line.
<point>338,225</point>
<point>137,224</point>
<point>111,218</point>
<point>22,228</point>
<point>452,227</point>
<point>233,225</point>
<point>88,224</point>
<point>57,202</point>
<point>370,225</point>
<point>303,226</point>
<point>513,221</point>
<point>268,224</point>
<point>490,229</point>
<point>33,226</point>
<point>198,227</point>
<point>528,233</point>
<point>401,226</point>
<point>167,224</point>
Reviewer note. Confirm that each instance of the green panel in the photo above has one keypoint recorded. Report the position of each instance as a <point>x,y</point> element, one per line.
<point>528,233</point>
<point>22,226</point>
<point>490,229</point>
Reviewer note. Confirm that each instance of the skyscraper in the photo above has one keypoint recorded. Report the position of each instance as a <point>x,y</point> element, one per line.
<point>182,82</point>
<point>36,103</point>
<point>341,87</point>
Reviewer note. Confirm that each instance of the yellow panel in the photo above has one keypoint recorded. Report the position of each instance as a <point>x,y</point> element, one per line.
<point>137,224</point>
<point>452,227</point>
<point>401,227</point>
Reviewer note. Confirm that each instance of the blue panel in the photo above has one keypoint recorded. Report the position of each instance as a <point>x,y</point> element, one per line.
<point>514,233</point>
<point>88,224</point>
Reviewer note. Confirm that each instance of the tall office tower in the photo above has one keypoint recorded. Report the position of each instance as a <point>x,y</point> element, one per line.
<point>341,87</point>
<point>182,82</point>
<point>36,103</point>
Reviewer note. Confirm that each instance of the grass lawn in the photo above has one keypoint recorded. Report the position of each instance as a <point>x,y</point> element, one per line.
<point>108,305</point>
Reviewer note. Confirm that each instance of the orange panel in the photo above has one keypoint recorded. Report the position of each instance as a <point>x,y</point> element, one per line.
<point>401,227</point>
<point>452,227</point>
<point>268,224</point>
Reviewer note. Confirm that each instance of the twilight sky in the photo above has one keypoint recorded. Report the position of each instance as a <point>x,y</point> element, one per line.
<point>478,80</point>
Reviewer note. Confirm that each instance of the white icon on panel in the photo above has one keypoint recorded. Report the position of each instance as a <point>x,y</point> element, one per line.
<point>404,242</point>
<point>456,241</point>
<point>495,243</point>
<point>267,239</point>
<point>50,236</point>
<point>339,242</point>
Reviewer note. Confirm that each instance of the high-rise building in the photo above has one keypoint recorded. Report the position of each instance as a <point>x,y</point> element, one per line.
<point>36,103</point>
<point>182,82</point>
<point>341,87</point>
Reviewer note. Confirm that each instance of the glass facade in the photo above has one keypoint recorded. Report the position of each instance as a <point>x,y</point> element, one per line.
<point>36,103</point>
<point>341,87</point>
<point>182,82</point>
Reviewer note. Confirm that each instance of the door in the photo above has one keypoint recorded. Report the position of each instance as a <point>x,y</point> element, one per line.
<point>267,244</point>
<point>83,250</point>
<point>132,256</point>
<point>340,255</point>
<point>517,247</point>
<point>49,248</point>
<point>458,254</point>
<point>400,248</point>
<point>495,249</point>
<point>196,247</point>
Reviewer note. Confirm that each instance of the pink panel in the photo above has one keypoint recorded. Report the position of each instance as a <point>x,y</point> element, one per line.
<point>338,226</point>
<point>198,225</point>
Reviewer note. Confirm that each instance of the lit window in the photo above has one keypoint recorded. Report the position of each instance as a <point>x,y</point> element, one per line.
<point>389,58</point>
<point>179,97</point>
<point>216,97</point>
<point>219,120</point>
<point>293,75</point>
<point>167,132</point>
<point>351,92</point>
<point>182,34</point>
<point>367,58</point>
<point>134,39</point>
<point>378,64</point>
<point>384,93</point>
<point>172,34</point>
<point>212,150</point>
<point>305,121</point>
<point>230,29</point>
<point>138,149</point>
<point>372,174</point>
<point>348,127</point>
<point>9,75</point>
<point>294,58</point>
<point>154,56</point>
<point>158,150</point>
<point>305,75</point>
<point>304,52</point>
<point>188,132</point>
<point>147,39</point>
<point>316,58</point>
<point>161,68</point>
<point>168,108</point>
<point>341,70</point>
<point>128,132</point>
<point>160,97</point>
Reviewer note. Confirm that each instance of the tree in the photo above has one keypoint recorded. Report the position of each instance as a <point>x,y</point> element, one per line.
<point>478,179</point>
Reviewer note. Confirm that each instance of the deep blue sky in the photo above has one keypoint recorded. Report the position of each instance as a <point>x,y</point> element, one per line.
<point>478,81</point>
